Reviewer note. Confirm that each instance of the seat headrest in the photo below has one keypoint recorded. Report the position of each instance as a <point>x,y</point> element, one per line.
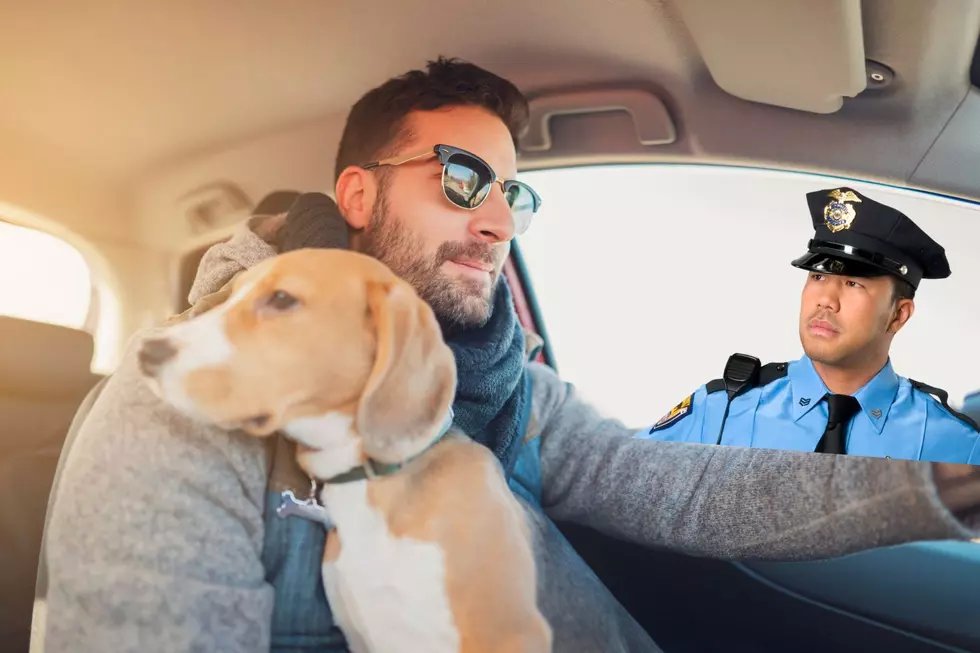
<point>276,202</point>
<point>313,221</point>
<point>39,359</point>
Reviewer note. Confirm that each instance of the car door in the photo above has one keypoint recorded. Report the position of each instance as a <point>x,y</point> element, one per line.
<point>914,598</point>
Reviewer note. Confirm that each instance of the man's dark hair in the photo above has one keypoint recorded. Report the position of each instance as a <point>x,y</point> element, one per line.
<point>902,290</point>
<point>376,128</point>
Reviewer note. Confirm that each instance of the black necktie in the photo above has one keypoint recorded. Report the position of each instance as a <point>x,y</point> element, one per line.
<point>841,409</point>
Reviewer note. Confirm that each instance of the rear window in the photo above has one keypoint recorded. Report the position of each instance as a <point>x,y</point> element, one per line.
<point>649,276</point>
<point>44,279</point>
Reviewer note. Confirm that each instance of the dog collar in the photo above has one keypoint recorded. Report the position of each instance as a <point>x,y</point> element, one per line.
<point>372,468</point>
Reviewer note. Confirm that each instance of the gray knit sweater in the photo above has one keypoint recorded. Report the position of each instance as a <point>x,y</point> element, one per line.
<point>157,528</point>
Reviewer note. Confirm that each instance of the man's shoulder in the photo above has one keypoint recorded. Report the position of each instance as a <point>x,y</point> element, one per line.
<point>762,375</point>
<point>155,509</point>
<point>128,418</point>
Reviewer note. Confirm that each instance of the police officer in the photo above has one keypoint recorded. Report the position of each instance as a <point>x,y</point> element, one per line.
<point>865,263</point>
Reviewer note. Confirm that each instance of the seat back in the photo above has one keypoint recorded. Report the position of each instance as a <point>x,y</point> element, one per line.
<point>45,372</point>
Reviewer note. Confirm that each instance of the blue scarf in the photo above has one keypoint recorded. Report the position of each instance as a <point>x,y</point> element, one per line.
<point>491,380</point>
<point>491,392</point>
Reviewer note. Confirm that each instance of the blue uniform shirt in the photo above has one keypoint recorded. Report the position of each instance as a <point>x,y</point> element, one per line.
<point>896,420</point>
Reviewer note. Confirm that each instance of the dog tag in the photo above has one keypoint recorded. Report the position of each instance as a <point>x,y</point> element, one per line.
<point>307,509</point>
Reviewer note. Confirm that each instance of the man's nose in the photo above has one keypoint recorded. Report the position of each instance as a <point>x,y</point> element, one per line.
<point>493,222</point>
<point>829,300</point>
<point>154,354</point>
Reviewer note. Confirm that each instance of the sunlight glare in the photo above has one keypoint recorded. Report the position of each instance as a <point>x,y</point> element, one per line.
<point>42,278</point>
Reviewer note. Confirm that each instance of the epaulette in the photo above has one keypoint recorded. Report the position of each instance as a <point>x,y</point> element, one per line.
<point>769,373</point>
<point>943,398</point>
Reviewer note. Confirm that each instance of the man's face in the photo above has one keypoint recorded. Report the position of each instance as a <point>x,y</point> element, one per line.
<point>846,321</point>
<point>453,257</point>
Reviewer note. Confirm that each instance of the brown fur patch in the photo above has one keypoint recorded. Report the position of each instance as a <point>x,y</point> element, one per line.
<point>456,496</point>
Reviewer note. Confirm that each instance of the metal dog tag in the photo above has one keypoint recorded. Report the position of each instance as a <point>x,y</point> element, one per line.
<point>308,509</point>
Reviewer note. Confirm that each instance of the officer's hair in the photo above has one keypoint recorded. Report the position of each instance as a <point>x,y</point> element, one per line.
<point>902,290</point>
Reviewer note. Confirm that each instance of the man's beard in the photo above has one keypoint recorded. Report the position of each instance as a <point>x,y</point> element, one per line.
<point>459,304</point>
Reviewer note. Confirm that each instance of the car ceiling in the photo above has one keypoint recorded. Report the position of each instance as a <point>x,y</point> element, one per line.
<point>111,112</point>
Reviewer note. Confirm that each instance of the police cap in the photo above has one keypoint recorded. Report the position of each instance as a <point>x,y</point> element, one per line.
<point>859,237</point>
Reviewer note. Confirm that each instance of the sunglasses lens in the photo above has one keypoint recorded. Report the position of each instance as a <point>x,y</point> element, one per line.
<point>466,181</point>
<point>522,205</point>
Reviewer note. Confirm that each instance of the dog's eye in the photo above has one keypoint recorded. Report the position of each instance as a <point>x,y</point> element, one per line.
<point>281,300</point>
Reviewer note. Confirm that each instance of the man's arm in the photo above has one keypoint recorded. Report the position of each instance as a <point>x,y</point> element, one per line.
<point>156,533</point>
<point>729,502</point>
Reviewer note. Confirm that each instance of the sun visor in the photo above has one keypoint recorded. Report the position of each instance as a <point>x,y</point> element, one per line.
<point>797,54</point>
<point>952,162</point>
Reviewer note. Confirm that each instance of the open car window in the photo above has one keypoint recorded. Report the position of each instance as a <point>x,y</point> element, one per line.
<point>650,276</point>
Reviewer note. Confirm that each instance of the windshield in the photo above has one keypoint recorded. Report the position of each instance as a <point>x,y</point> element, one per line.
<point>650,276</point>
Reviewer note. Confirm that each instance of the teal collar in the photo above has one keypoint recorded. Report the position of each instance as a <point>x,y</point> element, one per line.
<point>372,468</point>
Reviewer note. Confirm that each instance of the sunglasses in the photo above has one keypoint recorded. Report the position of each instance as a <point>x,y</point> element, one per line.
<point>467,181</point>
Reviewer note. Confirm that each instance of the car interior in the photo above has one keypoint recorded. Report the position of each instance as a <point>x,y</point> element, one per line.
<point>142,135</point>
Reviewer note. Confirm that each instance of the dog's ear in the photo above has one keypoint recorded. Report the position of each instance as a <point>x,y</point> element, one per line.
<point>413,381</point>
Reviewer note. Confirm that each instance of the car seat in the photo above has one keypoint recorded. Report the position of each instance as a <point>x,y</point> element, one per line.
<point>45,372</point>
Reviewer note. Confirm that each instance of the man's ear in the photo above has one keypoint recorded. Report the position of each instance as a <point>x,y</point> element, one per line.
<point>903,312</point>
<point>413,382</point>
<point>356,191</point>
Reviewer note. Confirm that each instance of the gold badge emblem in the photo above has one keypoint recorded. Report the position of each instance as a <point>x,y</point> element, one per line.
<point>839,214</point>
<point>675,415</point>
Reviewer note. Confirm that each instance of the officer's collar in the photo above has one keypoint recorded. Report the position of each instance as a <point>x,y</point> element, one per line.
<point>876,397</point>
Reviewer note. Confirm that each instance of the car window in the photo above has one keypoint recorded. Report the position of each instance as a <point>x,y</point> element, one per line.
<point>649,276</point>
<point>44,278</point>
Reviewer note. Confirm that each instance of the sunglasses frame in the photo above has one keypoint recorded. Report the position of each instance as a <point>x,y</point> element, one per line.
<point>444,153</point>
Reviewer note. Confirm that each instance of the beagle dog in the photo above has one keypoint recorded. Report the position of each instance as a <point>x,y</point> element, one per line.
<point>427,549</point>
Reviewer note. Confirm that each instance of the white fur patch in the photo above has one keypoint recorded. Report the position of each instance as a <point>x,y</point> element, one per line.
<point>200,342</point>
<point>387,594</point>
<point>334,447</point>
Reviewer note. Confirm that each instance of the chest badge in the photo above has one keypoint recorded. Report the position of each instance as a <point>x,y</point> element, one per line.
<point>839,214</point>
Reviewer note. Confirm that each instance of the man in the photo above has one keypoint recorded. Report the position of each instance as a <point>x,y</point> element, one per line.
<point>164,534</point>
<point>865,263</point>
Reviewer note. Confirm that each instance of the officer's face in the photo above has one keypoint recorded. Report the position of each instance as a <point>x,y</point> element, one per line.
<point>849,321</point>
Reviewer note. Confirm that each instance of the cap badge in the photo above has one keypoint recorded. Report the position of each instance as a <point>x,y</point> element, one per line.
<point>839,214</point>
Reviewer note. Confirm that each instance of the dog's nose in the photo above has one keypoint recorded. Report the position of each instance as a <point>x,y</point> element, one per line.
<point>154,353</point>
